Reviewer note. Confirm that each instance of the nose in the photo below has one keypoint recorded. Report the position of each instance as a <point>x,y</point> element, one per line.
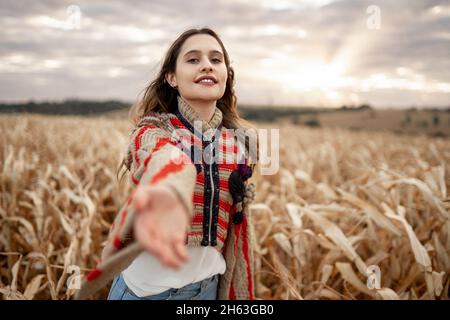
<point>206,65</point>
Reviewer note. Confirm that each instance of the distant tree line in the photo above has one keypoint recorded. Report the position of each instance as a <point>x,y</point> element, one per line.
<point>67,107</point>
<point>362,107</point>
<point>79,107</point>
<point>269,114</point>
<point>266,114</point>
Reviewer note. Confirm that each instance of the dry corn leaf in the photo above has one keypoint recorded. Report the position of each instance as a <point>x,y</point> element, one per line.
<point>14,272</point>
<point>284,243</point>
<point>387,294</point>
<point>328,294</point>
<point>64,220</point>
<point>427,193</point>
<point>420,253</point>
<point>294,214</point>
<point>350,276</point>
<point>33,287</point>
<point>372,212</point>
<point>285,276</point>
<point>326,273</point>
<point>337,236</point>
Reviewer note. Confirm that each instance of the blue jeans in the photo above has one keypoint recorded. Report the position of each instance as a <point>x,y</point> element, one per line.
<point>201,290</point>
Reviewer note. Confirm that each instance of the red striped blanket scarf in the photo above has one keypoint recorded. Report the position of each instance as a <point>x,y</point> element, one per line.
<point>155,155</point>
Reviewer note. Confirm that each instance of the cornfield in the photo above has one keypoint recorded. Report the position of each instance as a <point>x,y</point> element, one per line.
<point>349,215</point>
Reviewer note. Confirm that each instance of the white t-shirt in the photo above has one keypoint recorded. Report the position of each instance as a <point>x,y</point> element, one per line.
<point>147,276</point>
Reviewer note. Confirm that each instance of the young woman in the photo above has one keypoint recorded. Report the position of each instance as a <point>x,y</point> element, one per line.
<point>185,232</point>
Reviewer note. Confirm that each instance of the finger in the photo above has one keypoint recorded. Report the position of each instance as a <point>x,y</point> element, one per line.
<point>162,251</point>
<point>180,250</point>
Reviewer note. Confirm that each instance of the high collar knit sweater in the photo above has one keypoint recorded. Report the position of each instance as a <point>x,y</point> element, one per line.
<point>158,155</point>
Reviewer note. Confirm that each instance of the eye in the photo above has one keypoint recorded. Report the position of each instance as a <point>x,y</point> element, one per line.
<point>193,59</point>
<point>217,60</point>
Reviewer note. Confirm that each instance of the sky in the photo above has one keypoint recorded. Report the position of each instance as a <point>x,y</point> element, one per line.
<point>318,53</point>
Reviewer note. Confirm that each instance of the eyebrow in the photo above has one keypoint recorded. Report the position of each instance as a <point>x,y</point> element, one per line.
<point>198,51</point>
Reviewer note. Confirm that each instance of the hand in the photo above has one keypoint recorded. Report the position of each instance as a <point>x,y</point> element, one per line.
<point>161,224</point>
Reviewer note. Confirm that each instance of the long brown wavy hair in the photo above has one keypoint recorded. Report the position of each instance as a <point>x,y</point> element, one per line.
<point>159,96</point>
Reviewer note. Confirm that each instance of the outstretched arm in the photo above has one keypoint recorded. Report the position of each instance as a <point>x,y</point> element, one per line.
<point>165,179</point>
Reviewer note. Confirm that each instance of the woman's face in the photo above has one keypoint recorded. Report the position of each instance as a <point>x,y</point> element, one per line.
<point>200,56</point>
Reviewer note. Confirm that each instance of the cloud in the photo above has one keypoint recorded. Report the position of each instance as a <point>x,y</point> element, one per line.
<point>288,52</point>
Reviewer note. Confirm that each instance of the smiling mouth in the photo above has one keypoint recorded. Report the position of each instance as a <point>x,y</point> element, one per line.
<point>206,82</point>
